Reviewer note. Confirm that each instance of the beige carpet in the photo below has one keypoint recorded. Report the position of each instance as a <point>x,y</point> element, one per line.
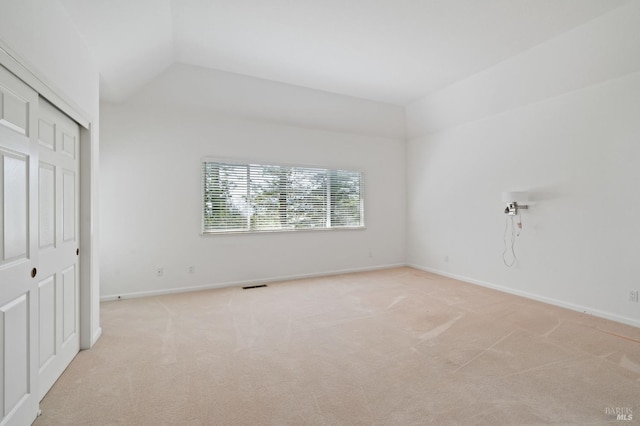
<point>393,347</point>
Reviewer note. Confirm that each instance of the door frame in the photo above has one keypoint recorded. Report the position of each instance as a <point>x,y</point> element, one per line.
<point>89,285</point>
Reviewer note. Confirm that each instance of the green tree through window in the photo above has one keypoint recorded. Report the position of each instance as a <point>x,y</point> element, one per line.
<point>254,197</point>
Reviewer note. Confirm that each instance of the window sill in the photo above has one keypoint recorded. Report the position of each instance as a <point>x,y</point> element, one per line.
<point>277,231</point>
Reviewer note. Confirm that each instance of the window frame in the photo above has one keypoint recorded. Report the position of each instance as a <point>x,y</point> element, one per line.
<point>246,163</point>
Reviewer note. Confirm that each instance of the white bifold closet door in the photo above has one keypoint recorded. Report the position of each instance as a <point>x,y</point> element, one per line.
<point>39,311</point>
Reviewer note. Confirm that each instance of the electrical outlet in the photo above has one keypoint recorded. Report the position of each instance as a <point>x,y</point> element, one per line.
<point>192,269</point>
<point>633,296</point>
<point>159,272</point>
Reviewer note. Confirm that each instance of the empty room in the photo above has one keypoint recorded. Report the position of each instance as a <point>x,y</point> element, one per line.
<point>276,212</point>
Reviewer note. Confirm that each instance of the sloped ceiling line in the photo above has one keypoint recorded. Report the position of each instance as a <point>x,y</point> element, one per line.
<point>390,51</point>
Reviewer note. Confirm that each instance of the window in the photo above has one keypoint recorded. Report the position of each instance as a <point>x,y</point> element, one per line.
<point>255,197</point>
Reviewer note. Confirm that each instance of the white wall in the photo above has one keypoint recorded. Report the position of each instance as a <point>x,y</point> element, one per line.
<point>42,38</point>
<point>562,122</point>
<point>271,102</point>
<point>151,180</point>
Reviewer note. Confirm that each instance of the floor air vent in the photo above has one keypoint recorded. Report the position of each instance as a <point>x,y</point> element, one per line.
<point>253,286</point>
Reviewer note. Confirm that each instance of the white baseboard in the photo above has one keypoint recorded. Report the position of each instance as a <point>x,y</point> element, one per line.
<point>96,336</point>
<point>583,309</point>
<point>138,294</point>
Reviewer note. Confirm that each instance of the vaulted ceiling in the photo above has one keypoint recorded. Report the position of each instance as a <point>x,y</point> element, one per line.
<point>392,51</point>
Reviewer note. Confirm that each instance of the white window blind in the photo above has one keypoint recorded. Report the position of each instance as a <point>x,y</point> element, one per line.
<point>256,197</point>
